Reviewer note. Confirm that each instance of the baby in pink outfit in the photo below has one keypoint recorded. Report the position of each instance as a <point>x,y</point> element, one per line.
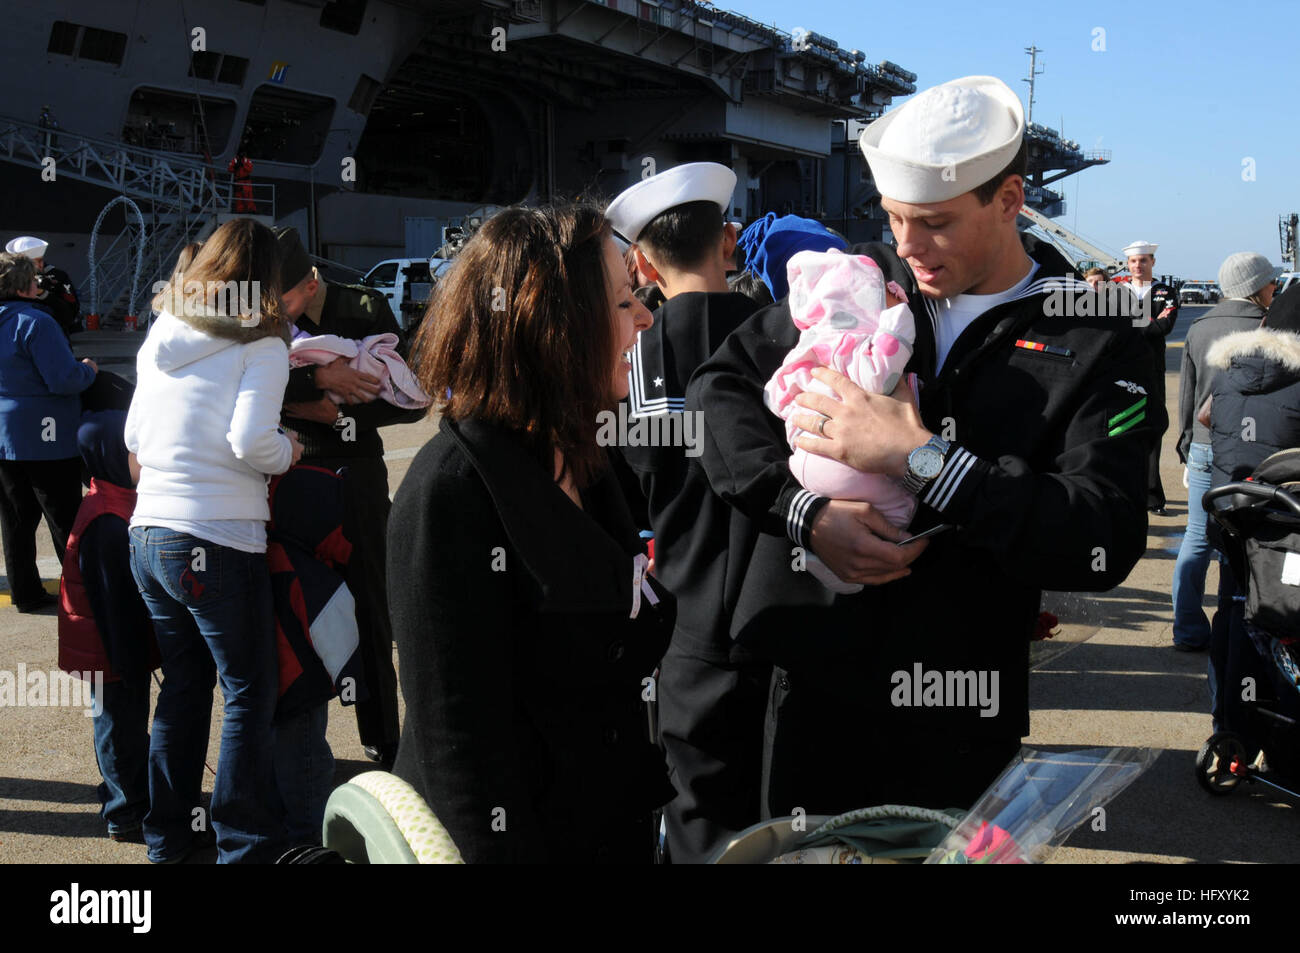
<point>838,303</point>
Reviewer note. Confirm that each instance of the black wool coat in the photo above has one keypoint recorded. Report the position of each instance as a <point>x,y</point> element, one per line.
<point>526,680</point>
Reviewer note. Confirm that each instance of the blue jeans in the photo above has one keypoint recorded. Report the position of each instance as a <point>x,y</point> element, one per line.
<point>122,750</point>
<point>212,614</point>
<point>1191,627</point>
<point>304,772</point>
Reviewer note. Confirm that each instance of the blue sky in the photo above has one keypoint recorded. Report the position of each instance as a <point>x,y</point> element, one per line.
<point>1183,94</point>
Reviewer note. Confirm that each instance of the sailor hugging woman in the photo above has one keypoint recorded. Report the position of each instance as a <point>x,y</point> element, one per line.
<point>852,322</point>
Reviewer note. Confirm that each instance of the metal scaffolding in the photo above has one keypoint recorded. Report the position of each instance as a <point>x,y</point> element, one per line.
<point>180,201</point>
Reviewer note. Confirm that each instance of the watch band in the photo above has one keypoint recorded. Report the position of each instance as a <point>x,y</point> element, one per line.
<point>912,481</point>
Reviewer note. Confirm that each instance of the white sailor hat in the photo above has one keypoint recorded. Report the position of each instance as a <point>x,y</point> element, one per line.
<point>945,141</point>
<point>636,207</point>
<point>1141,248</point>
<point>27,245</point>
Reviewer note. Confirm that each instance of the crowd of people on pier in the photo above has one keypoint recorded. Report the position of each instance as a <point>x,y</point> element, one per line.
<point>870,461</point>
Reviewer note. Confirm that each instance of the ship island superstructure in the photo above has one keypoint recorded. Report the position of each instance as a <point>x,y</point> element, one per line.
<point>369,123</point>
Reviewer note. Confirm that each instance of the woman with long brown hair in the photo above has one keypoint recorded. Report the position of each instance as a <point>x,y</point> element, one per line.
<point>527,630</point>
<point>204,424</point>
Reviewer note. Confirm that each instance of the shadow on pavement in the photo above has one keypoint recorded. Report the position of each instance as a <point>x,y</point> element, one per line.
<point>1137,678</point>
<point>1121,608</point>
<point>1190,822</point>
<point>53,823</point>
<point>56,792</point>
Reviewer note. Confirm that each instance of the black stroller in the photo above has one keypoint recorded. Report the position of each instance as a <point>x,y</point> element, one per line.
<point>1259,533</point>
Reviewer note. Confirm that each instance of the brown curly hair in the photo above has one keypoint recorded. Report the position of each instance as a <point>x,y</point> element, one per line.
<point>519,333</point>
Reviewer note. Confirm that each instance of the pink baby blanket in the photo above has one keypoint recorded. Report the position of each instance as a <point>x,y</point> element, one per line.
<point>375,355</point>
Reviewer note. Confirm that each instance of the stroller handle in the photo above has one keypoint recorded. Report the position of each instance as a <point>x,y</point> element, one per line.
<point>1262,492</point>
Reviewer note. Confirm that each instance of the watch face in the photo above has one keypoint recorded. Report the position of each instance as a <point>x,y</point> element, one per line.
<point>925,462</point>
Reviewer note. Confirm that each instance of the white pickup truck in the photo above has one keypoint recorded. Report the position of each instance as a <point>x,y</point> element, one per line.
<point>407,283</point>
<point>1199,292</point>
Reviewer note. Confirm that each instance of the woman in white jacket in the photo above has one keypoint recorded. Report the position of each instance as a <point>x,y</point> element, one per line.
<point>204,424</point>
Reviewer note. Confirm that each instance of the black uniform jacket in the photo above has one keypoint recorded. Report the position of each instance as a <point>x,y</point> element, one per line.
<point>58,296</point>
<point>524,676</point>
<point>1161,305</point>
<point>354,312</point>
<point>1046,482</point>
<point>691,525</point>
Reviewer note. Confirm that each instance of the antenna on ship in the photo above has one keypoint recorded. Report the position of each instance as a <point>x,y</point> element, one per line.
<point>1033,52</point>
<point>1288,226</point>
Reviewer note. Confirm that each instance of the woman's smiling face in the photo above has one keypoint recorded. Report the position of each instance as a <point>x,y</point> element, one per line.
<point>629,315</point>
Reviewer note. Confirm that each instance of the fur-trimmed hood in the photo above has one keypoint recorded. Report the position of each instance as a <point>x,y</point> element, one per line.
<point>184,340</point>
<point>234,329</point>
<point>1282,347</point>
<point>1258,361</point>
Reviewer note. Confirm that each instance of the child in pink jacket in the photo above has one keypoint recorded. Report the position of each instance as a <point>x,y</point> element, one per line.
<point>853,323</point>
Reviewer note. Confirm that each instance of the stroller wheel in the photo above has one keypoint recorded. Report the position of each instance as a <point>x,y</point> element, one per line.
<point>1215,761</point>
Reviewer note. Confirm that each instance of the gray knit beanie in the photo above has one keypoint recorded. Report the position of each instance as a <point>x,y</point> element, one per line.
<point>1244,273</point>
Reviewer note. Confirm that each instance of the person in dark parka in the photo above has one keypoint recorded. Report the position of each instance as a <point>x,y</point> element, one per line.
<point>1254,413</point>
<point>526,626</point>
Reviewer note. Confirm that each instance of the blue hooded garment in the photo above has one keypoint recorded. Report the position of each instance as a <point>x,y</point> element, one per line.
<point>770,242</point>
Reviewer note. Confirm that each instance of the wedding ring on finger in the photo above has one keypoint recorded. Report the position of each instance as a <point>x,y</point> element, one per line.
<point>821,426</point>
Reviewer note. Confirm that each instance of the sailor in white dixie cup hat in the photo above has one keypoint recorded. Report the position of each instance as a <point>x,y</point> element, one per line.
<point>948,140</point>
<point>679,220</point>
<point>651,198</point>
<point>1140,257</point>
<point>1027,446</point>
<point>636,207</point>
<point>58,295</point>
<point>31,247</point>
<point>952,160</point>
<point>1141,248</point>
<point>1159,313</point>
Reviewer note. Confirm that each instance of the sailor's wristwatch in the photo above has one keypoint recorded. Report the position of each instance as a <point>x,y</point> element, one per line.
<point>924,464</point>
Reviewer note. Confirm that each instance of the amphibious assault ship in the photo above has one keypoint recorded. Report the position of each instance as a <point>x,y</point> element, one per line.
<point>374,124</point>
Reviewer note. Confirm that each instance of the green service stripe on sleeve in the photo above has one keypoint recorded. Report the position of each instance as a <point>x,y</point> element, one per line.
<point>1127,425</point>
<point>1124,413</point>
